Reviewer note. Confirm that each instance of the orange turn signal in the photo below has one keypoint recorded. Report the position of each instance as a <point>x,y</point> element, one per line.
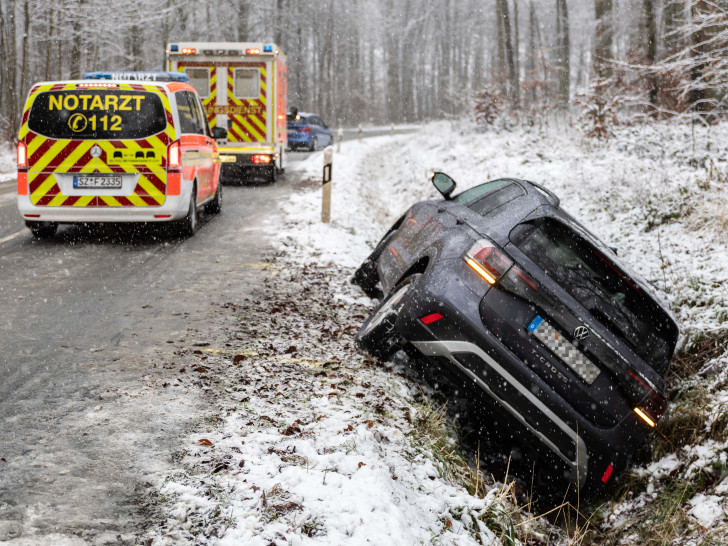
<point>646,418</point>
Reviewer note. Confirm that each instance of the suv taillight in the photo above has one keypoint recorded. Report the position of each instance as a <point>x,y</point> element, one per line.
<point>489,261</point>
<point>22,155</point>
<point>174,158</point>
<point>651,407</point>
<point>306,129</point>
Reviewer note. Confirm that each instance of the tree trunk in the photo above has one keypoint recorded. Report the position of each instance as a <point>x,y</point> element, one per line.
<point>24,61</point>
<point>531,55</point>
<point>673,18</point>
<point>243,16</point>
<point>505,25</point>
<point>501,59</point>
<point>49,43</point>
<point>77,42</point>
<point>603,38</point>
<point>516,77</point>
<point>564,64</point>
<point>650,33</point>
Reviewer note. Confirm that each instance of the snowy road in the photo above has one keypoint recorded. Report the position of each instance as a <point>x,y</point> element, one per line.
<point>92,326</point>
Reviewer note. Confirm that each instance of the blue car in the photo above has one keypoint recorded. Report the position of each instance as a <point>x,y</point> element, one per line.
<point>308,131</point>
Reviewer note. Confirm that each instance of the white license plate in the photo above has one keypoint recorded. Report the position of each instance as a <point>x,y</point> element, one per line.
<point>564,349</point>
<point>97,181</point>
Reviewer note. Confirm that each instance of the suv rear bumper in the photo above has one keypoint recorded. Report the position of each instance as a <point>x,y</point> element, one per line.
<point>546,420</point>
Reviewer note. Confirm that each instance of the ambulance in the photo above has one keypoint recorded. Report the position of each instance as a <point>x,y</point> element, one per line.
<point>108,149</point>
<point>243,86</point>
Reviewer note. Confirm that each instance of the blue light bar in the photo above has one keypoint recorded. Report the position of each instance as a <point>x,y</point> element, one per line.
<point>174,47</point>
<point>267,48</point>
<point>142,76</point>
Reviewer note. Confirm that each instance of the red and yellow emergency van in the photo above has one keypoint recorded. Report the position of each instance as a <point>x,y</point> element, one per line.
<point>243,86</point>
<point>115,150</point>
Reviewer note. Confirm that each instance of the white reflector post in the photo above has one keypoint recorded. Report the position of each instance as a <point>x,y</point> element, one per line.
<point>326,187</point>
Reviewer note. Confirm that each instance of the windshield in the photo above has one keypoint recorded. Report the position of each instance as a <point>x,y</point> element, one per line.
<point>104,114</point>
<point>610,295</point>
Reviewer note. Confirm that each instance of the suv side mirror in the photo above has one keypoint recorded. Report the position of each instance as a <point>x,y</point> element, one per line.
<point>219,133</point>
<point>444,184</point>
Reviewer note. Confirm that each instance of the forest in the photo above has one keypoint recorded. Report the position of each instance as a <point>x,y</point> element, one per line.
<point>393,61</point>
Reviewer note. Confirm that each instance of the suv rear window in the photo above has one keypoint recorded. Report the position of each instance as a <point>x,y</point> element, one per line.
<point>104,114</point>
<point>608,293</point>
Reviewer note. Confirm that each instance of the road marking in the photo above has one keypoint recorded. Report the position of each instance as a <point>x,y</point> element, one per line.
<point>11,237</point>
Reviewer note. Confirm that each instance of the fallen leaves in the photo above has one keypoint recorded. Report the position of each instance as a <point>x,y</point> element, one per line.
<point>204,442</point>
<point>293,429</point>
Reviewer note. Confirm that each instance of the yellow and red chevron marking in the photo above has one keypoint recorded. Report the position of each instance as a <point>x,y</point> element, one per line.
<point>248,127</point>
<point>49,157</point>
<point>209,102</point>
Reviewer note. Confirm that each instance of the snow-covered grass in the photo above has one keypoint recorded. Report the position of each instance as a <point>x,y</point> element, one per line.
<point>660,195</point>
<point>7,162</point>
<point>314,444</point>
<point>311,436</point>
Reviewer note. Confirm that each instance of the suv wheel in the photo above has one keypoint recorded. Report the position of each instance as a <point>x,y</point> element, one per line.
<point>378,335</point>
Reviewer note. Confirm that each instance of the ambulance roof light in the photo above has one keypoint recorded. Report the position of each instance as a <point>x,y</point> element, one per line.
<point>188,51</point>
<point>145,76</point>
<point>252,51</point>
<point>174,47</point>
<point>267,48</point>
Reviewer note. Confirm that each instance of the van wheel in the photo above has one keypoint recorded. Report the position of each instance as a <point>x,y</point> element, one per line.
<point>273,173</point>
<point>378,335</point>
<point>215,206</point>
<point>188,226</point>
<point>42,230</point>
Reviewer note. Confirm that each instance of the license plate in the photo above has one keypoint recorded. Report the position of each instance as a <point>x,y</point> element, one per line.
<point>97,181</point>
<point>564,349</point>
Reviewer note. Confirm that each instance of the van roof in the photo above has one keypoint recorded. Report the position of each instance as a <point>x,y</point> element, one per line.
<point>137,75</point>
<point>170,86</point>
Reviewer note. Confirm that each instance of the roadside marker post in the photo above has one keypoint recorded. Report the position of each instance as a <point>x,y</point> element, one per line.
<point>326,186</point>
<point>340,135</point>
<point>360,132</point>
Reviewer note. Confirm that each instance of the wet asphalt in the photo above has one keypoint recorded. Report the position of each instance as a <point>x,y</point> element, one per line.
<point>92,325</point>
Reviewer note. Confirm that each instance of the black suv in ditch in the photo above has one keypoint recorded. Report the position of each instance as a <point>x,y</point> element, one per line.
<point>503,290</point>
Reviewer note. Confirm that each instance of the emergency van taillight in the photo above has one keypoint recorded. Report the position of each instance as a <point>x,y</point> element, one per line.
<point>260,159</point>
<point>188,51</point>
<point>252,51</point>
<point>22,155</point>
<point>174,159</point>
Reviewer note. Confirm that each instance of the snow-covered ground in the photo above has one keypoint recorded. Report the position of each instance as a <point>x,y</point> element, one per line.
<point>657,193</point>
<point>315,444</point>
<point>7,163</point>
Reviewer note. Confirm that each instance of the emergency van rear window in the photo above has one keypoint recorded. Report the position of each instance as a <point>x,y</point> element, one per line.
<point>247,83</point>
<point>200,80</point>
<point>104,114</point>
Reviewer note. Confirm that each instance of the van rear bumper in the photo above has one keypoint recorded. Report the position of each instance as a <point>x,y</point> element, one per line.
<point>174,208</point>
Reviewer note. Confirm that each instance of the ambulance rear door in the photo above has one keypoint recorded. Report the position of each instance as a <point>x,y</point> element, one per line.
<point>237,96</point>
